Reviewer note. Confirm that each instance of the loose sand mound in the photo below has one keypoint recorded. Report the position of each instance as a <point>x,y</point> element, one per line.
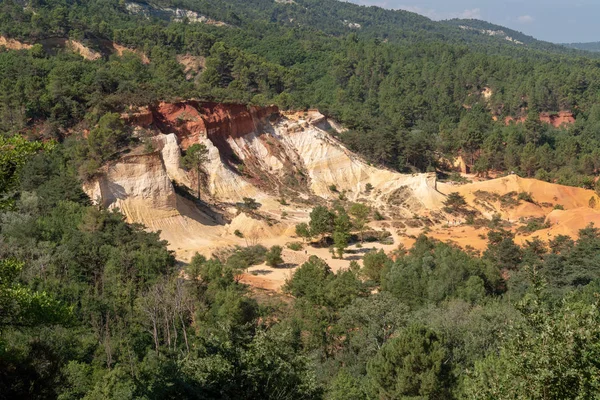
<point>545,196</point>
<point>568,222</point>
<point>12,44</point>
<point>54,44</point>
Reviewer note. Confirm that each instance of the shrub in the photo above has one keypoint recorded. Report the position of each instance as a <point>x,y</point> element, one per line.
<point>455,203</point>
<point>458,178</point>
<point>534,224</point>
<point>333,188</point>
<point>245,257</point>
<point>373,263</point>
<point>251,203</point>
<point>295,246</point>
<point>509,200</point>
<point>377,216</point>
<point>525,196</point>
<point>273,256</point>
<point>303,231</point>
<point>248,205</point>
<point>238,233</point>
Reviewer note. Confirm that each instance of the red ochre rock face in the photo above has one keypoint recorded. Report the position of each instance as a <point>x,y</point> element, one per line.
<point>190,120</point>
<point>555,119</point>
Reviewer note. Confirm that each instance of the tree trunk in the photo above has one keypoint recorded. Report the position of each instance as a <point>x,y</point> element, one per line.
<point>198,180</point>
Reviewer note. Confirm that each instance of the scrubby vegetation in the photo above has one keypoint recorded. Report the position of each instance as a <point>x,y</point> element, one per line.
<point>93,307</point>
<point>424,104</point>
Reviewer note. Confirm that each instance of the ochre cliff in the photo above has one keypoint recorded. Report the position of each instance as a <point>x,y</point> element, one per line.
<point>562,118</point>
<point>254,152</point>
<point>191,120</point>
<point>558,119</point>
<point>273,156</point>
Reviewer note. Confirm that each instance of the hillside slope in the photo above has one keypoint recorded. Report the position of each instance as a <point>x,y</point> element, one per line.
<point>589,46</point>
<point>256,153</point>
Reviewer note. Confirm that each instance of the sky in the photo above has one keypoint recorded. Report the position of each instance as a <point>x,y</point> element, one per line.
<point>558,21</point>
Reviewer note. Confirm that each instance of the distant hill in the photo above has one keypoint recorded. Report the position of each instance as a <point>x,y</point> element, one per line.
<point>484,28</point>
<point>589,46</point>
<point>338,18</point>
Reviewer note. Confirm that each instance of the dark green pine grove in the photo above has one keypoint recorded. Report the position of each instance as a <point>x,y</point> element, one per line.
<point>92,307</point>
<point>409,89</point>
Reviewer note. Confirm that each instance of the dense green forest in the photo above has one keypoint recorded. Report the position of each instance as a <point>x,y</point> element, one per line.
<point>92,307</point>
<point>409,88</point>
<point>590,46</point>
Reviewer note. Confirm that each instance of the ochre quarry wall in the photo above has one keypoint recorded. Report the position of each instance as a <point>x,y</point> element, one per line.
<point>141,178</point>
<point>562,118</point>
<point>260,152</point>
<point>253,152</point>
<point>192,120</point>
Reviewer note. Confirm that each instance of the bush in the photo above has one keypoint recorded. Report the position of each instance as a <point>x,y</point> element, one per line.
<point>303,231</point>
<point>251,203</point>
<point>373,264</point>
<point>333,188</point>
<point>245,257</point>
<point>238,233</point>
<point>458,178</point>
<point>525,196</point>
<point>273,256</point>
<point>455,203</point>
<point>378,216</point>
<point>295,246</point>
<point>509,200</point>
<point>534,224</point>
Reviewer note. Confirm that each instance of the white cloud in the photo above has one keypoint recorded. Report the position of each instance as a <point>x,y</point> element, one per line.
<point>474,13</point>
<point>525,19</point>
<point>382,4</point>
<point>428,12</point>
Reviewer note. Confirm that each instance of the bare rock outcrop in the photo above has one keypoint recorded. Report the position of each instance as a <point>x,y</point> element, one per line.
<point>254,152</point>
<point>558,119</point>
<point>562,118</point>
<point>133,179</point>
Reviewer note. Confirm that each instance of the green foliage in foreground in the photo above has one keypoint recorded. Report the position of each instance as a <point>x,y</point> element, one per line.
<point>93,307</point>
<point>14,153</point>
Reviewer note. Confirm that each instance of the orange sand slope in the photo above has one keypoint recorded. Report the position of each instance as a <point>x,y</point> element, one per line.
<point>545,195</point>
<point>568,222</point>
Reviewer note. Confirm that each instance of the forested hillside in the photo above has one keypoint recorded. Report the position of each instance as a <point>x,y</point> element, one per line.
<point>591,46</point>
<point>411,90</point>
<point>92,307</point>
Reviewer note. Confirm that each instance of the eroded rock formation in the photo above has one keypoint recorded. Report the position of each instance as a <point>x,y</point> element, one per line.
<point>254,152</point>
<point>562,118</point>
